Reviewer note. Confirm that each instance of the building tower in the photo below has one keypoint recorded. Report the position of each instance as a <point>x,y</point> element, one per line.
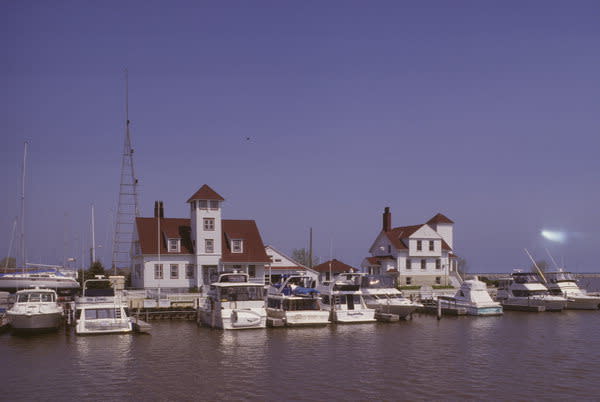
<point>205,214</point>
<point>127,209</point>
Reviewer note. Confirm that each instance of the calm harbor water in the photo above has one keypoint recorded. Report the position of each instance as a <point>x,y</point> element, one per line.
<point>521,356</point>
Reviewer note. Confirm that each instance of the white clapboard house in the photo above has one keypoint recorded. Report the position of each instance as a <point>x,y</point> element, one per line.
<point>418,254</point>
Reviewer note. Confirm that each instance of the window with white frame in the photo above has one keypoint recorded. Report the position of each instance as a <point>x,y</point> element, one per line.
<point>209,246</point>
<point>189,271</point>
<point>423,264</point>
<point>438,264</point>
<point>158,271</point>
<point>408,280</point>
<point>419,245</point>
<point>209,223</point>
<point>431,245</point>
<point>252,271</point>
<point>214,205</point>
<point>174,271</point>
<point>173,245</point>
<point>408,263</point>
<point>438,280</point>
<point>203,204</point>
<point>237,246</point>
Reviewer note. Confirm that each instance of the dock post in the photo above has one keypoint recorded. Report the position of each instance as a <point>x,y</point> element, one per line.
<point>439,309</point>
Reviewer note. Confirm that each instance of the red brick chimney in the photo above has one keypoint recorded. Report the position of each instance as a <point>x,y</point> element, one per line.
<point>387,220</point>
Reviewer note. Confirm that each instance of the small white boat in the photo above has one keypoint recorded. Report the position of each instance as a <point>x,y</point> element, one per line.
<point>474,297</point>
<point>380,294</point>
<point>100,311</point>
<point>343,298</point>
<point>524,290</point>
<point>44,279</point>
<point>35,310</point>
<point>234,303</point>
<point>296,302</point>
<point>563,283</point>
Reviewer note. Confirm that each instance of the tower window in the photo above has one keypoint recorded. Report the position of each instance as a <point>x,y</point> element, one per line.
<point>213,204</point>
<point>203,204</point>
<point>209,246</point>
<point>209,223</point>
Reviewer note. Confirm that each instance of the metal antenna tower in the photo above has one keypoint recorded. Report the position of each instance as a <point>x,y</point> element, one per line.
<point>127,209</point>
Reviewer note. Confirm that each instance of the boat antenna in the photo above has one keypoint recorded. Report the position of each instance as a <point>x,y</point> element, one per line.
<point>12,237</point>
<point>536,266</point>
<point>552,258</point>
<point>22,220</point>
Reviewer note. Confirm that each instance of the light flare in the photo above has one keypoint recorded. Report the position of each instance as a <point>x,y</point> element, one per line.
<point>554,235</point>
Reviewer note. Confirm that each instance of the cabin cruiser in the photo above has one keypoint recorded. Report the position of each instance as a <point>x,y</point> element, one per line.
<point>474,297</point>
<point>563,283</point>
<point>296,302</point>
<point>524,289</point>
<point>234,303</point>
<point>100,311</point>
<point>343,298</point>
<point>35,310</point>
<point>64,285</point>
<point>380,294</point>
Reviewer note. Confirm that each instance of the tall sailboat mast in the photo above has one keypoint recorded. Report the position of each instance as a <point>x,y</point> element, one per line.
<point>22,255</point>
<point>127,209</point>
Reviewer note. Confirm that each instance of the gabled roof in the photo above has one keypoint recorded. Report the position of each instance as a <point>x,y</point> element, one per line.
<point>170,228</point>
<point>336,266</point>
<point>253,249</point>
<point>402,232</point>
<point>173,228</point>
<point>439,218</point>
<point>206,193</point>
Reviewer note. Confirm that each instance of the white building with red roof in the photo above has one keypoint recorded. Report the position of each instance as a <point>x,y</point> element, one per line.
<point>419,254</point>
<point>282,264</point>
<point>190,252</point>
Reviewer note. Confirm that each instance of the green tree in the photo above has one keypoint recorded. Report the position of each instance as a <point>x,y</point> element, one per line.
<point>8,262</point>
<point>301,255</point>
<point>96,269</point>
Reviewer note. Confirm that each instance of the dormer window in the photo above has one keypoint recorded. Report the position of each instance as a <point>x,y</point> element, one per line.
<point>237,246</point>
<point>174,245</point>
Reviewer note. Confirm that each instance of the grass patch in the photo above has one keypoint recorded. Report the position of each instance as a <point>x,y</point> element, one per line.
<point>442,287</point>
<point>409,287</point>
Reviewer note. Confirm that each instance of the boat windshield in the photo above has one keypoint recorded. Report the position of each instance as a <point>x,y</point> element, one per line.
<point>99,313</point>
<point>560,277</point>
<point>241,293</point>
<point>377,282</point>
<point>300,304</point>
<point>35,297</point>
<point>526,277</point>
<point>527,293</point>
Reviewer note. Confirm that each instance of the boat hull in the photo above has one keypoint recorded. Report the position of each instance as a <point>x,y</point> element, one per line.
<point>583,303</point>
<point>353,316</point>
<point>401,310</point>
<point>549,305</point>
<point>234,319</point>
<point>98,327</point>
<point>34,322</point>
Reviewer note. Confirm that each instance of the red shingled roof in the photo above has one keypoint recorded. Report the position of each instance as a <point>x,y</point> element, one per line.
<point>253,248</point>
<point>377,259</point>
<point>402,232</point>
<point>206,193</point>
<point>336,266</point>
<point>175,228</point>
<point>440,218</point>
<point>171,228</point>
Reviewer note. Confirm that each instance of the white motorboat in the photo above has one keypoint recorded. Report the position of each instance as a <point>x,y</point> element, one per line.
<point>474,297</point>
<point>343,298</point>
<point>380,294</point>
<point>524,289</point>
<point>296,302</point>
<point>234,303</point>
<point>35,310</point>
<point>100,311</point>
<point>563,283</point>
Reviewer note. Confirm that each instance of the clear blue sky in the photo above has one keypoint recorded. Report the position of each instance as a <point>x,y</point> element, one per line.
<point>486,111</point>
